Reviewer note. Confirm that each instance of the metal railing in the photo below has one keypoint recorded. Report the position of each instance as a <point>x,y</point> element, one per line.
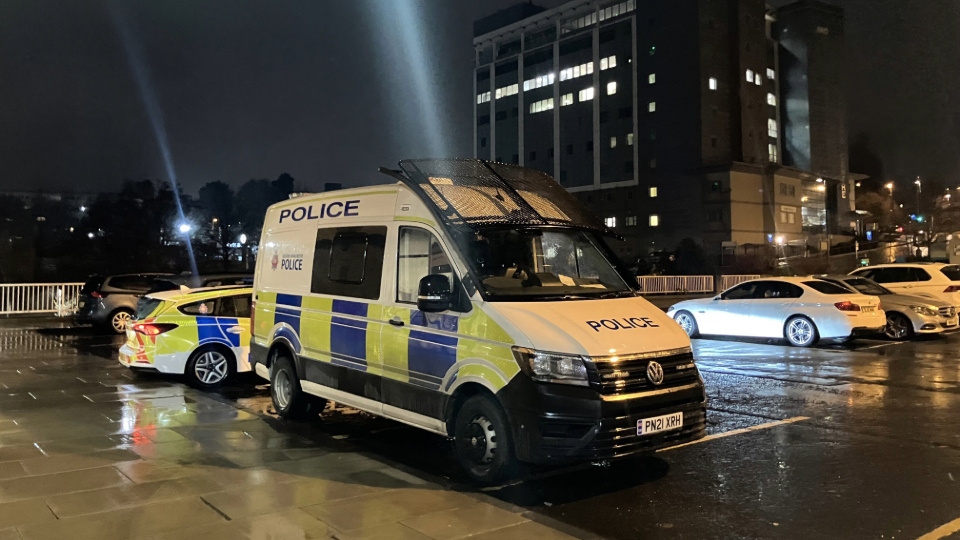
<point>34,298</point>
<point>675,284</point>
<point>729,281</point>
<point>688,284</point>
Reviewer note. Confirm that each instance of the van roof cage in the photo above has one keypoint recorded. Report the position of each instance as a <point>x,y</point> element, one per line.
<point>471,193</point>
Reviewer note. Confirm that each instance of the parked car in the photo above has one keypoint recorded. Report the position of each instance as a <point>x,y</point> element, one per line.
<point>802,310</point>
<point>931,280</point>
<point>111,301</point>
<point>192,281</point>
<point>203,334</point>
<point>906,315</point>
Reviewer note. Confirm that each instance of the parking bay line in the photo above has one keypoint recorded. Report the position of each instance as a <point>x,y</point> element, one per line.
<point>942,531</point>
<point>740,431</point>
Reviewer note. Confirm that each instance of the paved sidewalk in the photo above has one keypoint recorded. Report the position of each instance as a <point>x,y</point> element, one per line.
<point>87,451</point>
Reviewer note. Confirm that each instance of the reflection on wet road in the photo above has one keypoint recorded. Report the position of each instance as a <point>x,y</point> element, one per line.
<point>858,441</point>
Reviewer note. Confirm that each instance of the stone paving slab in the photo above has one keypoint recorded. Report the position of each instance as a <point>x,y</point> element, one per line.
<point>88,451</point>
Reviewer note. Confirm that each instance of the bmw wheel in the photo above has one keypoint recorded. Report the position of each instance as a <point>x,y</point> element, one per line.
<point>208,367</point>
<point>898,327</point>
<point>483,441</point>
<point>801,332</point>
<point>119,320</point>
<point>688,323</point>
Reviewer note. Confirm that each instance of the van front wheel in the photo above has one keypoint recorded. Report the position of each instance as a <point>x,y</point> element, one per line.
<point>483,441</point>
<point>289,399</point>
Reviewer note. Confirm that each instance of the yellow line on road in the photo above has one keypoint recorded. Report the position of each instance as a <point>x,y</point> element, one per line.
<point>942,531</point>
<point>733,432</point>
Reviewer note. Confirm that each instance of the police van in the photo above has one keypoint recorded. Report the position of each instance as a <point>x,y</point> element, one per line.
<point>476,300</point>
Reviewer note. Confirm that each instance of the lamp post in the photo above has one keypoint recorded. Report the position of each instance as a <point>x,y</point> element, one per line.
<point>919,189</point>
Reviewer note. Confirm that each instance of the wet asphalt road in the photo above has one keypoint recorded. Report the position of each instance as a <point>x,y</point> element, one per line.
<point>871,448</point>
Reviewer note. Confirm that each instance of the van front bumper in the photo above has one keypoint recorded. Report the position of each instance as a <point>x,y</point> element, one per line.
<point>580,425</point>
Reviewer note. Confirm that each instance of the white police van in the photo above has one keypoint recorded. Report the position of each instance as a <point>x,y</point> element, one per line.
<point>476,300</point>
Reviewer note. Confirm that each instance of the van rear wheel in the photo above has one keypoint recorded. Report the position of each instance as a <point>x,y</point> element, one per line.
<point>483,441</point>
<point>289,399</point>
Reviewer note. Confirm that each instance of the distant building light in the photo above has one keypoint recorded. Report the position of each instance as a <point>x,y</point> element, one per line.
<point>243,239</point>
<point>771,74</point>
<point>750,75</point>
<point>611,88</point>
<point>90,235</point>
<point>713,83</point>
<point>185,228</point>
<point>654,220</point>
<point>83,208</point>
<point>652,78</point>
<point>610,222</point>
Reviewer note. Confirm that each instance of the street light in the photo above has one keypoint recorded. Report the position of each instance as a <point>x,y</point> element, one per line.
<point>185,228</point>
<point>243,239</point>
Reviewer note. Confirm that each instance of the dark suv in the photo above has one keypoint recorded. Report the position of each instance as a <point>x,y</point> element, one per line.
<point>110,302</point>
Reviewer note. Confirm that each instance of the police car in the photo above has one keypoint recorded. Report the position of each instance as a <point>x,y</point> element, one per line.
<point>476,300</point>
<point>201,333</point>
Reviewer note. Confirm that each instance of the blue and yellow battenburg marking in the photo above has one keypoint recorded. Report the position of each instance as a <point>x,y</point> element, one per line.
<point>430,350</point>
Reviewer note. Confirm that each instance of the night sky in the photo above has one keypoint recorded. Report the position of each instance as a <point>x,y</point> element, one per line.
<point>327,90</point>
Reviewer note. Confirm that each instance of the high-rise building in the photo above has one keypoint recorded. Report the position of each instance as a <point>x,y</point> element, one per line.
<point>664,117</point>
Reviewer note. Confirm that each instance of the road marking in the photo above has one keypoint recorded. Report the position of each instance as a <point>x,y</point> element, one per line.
<point>732,432</point>
<point>942,531</point>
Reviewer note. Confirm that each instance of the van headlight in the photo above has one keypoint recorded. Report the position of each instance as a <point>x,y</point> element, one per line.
<point>552,367</point>
<point>924,310</point>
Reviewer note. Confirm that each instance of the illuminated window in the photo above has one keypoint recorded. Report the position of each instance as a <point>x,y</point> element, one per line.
<point>483,98</point>
<point>771,74</point>
<point>539,82</point>
<point>576,71</point>
<point>653,192</point>
<point>613,142</point>
<point>713,83</point>
<point>772,128</point>
<point>608,62</point>
<point>749,75</point>
<point>771,99</point>
<point>510,90</point>
<point>611,88</point>
<point>629,139</point>
<point>541,106</point>
<point>652,106</point>
<point>758,80</point>
<point>610,222</point>
<point>586,94</point>
<point>630,221</point>
<point>652,78</point>
<point>566,99</point>
<point>772,149</point>
<point>654,220</point>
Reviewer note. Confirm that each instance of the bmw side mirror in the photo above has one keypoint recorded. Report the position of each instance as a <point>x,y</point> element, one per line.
<point>434,294</point>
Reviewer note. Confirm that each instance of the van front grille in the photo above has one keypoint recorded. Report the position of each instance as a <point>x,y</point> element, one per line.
<point>628,374</point>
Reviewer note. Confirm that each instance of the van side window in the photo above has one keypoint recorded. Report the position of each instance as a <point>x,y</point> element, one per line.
<point>348,261</point>
<point>418,255</point>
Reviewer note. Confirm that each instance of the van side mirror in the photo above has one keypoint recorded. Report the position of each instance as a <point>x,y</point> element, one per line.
<point>434,293</point>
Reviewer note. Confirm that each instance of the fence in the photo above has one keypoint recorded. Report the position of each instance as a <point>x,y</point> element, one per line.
<point>687,284</point>
<point>25,298</point>
<point>675,284</point>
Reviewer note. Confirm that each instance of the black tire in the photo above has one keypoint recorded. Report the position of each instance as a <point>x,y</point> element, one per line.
<point>899,327</point>
<point>210,366</point>
<point>118,320</point>
<point>800,331</point>
<point>292,402</point>
<point>483,440</point>
<point>690,327</point>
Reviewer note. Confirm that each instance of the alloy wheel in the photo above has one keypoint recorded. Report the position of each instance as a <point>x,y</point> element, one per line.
<point>897,328</point>
<point>119,321</point>
<point>686,322</point>
<point>211,367</point>
<point>800,332</point>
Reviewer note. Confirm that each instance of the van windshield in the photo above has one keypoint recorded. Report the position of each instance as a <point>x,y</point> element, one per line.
<point>541,264</point>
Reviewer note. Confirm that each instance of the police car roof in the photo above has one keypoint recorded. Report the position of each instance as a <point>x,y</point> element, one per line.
<point>180,293</point>
<point>306,198</point>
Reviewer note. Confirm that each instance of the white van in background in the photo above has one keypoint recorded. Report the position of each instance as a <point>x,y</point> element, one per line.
<point>476,300</point>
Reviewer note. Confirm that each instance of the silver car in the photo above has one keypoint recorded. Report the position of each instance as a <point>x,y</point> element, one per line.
<point>907,316</point>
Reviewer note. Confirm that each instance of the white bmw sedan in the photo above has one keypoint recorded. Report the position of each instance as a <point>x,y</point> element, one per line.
<point>802,310</point>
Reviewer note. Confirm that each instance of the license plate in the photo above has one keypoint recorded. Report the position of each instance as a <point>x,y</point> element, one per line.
<point>869,309</point>
<point>649,426</point>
